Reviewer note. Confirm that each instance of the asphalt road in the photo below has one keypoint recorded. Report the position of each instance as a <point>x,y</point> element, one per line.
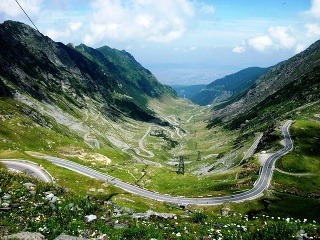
<point>30,168</point>
<point>261,184</point>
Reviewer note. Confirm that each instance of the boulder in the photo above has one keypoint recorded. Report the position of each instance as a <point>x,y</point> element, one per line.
<point>25,235</point>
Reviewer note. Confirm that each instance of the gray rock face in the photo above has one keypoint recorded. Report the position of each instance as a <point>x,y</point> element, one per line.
<point>24,236</point>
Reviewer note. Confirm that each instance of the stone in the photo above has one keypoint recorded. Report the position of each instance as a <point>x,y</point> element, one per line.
<point>67,237</point>
<point>301,235</point>
<point>25,235</point>
<point>6,196</point>
<point>102,237</point>
<point>150,213</point>
<point>90,218</point>
<point>120,226</point>
<point>225,212</point>
<point>117,211</point>
<point>105,184</point>
<point>49,196</point>
<point>29,186</point>
<point>128,210</point>
<point>54,199</point>
<point>6,209</point>
<point>54,207</point>
<point>5,204</point>
<point>71,205</point>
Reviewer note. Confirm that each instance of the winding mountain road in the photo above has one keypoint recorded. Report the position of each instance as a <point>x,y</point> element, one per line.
<point>19,165</point>
<point>261,184</point>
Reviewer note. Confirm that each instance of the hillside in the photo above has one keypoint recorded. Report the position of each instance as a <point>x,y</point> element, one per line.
<point>127,153</point>
<point>58,73</point>
<point>188,91</point>
<point>228,87</point>
<point>287,86</point>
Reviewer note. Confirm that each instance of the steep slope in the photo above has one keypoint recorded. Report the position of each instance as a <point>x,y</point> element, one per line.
<point>58,73</point>
<point>228,86</point>
<point>287,86</point>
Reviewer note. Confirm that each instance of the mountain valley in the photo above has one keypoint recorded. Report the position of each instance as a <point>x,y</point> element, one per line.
<point>101,109</point>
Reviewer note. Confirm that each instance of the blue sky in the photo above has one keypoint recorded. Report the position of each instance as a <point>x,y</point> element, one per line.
<point>181,41</point>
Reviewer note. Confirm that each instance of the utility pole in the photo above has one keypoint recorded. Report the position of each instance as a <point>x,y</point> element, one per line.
<point>181,165</point>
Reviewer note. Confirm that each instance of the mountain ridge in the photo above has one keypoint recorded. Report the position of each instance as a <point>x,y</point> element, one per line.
<point>296,78</point>
<point>35,64</point>
<point>227,87</point>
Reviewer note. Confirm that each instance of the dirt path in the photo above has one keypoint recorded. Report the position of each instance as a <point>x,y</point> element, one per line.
<point>141,145</point>
<point>296,174</point>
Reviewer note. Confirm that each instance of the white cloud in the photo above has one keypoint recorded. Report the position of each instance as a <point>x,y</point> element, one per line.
<point>145,20</point>
<point>58,35</point>
<point>313,29</point>
<point>207,9</point>
<point>157,21</point>
<point>11,9</point>
<point>239,49</point>
<point>279,37</point>
<point>300,48</point>
<point>261,43</point>
<point>295,38</point>
<point>315,9</point>
<point>185,49</point>
<point>74,26</point>
<point>281,34</point>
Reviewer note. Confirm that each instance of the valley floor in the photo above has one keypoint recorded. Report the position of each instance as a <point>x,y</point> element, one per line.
<point>210,162</point>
